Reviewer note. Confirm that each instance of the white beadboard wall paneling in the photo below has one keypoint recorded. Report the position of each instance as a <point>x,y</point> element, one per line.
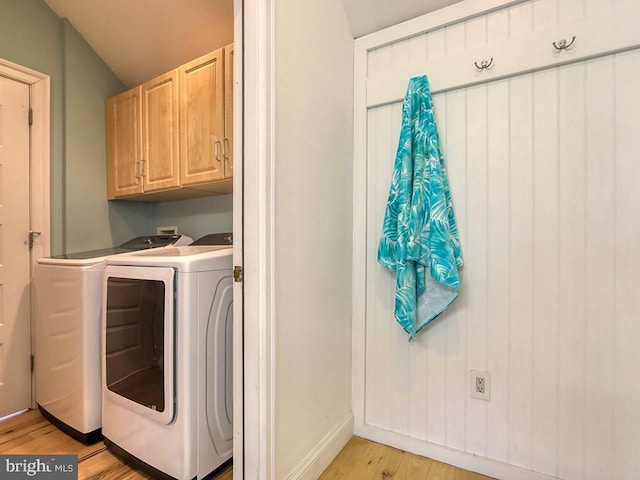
<point>436,44</point>
<point>521,270</point>
<point>497,27</point>
<point>597,7</point>
<point>380,384</point>
<point>599,264</point>
<point>545,14</point>
<point>572,274</point>
<point>456,38</point>
<point>622,3</point>
<point>570,11</point>
<point>625,400</point>
<point>602,34</point>
<point>535,169</point>
<point>453,135</point>
<point>475,255</point>
<point>474,31</point>
<point>545,272</point>
<point>434,357</point>
<point>543,167</point>
<point>417,48</point>
<point>520,20</point>
<point>498,286</point>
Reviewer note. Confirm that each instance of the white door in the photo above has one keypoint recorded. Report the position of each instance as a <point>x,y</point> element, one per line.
<point>15,344</point>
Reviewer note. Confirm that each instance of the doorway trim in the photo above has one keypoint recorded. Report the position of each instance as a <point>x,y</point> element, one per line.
<point>258,248</point>
<point>238,240</point>
<point>39,165</point>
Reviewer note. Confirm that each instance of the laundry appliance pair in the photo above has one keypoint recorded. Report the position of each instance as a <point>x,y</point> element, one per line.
<point>166,361</point>
<point>67,361</point>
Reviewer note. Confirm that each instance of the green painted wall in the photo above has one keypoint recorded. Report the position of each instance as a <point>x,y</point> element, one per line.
<point>91,221</point>
<point>198,216</point>
<point>32,35</point>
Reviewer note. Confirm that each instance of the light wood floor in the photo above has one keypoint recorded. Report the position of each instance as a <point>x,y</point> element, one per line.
<point>31,433</point>
<point>359,460</point>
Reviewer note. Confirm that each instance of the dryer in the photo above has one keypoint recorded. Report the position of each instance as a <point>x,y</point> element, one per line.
<point>167,361</point>
<point>67,361</point>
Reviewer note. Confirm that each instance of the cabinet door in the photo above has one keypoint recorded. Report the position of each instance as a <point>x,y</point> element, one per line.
<point>122,116</point>
<point>160,170</point>
<point>202,119</point>
<point>228,111</point>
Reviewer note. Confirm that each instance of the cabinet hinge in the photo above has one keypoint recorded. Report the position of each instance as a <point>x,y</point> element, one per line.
<point>33,363</point>
<point>31,116</point>
<point>237,273</point>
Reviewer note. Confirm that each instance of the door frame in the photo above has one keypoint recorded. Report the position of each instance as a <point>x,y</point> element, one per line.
<point>258,248</point>
<point>238,241</point>
<point>39,166</point>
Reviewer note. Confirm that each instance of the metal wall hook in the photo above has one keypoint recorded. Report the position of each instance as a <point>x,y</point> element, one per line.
<point>563,45</point>
<point>484,64</point>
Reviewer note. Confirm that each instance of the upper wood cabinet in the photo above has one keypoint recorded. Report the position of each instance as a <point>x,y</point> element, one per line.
<point>124,144</point>
<point>142,138</point>
<point>172,137</point>
<point>202,119</point>
<point>160,169</point>
<point>206,119</point>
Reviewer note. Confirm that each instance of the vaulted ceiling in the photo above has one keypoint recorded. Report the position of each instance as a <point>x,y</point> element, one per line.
<point>139,39</point>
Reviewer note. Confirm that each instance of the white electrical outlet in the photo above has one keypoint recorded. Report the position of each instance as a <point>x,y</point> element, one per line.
<point>480,385</point>
<point>169,230</point>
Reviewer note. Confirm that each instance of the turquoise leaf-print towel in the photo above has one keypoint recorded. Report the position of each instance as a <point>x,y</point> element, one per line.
<point>420,241</point>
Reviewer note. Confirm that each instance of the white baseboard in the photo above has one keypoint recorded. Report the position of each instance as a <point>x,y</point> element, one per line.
<point>457,458</point>
<point>324,452</point>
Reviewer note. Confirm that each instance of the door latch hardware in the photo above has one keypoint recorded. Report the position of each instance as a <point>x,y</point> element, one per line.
<point>32,238</point>
<point>237,273</point>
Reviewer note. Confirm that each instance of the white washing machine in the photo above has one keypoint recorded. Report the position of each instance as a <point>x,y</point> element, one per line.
<point>167,363</point>
<point>68,296</point>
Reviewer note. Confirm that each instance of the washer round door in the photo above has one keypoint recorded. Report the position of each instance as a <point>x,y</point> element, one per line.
<point>138,340</point>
